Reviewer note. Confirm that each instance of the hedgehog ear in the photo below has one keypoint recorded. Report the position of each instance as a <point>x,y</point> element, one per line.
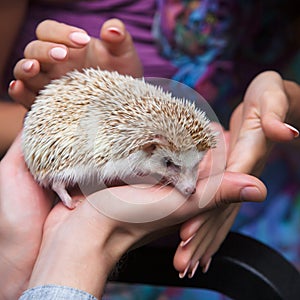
<point>157,140</point>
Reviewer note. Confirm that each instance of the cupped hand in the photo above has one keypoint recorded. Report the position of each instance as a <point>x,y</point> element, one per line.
<point>24,206</point>
<point>61,48</point>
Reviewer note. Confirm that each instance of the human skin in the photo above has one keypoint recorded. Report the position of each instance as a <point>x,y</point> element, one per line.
<point>31,227</point>
<point>267,100</point>
<point>113,50</point>
<point>269,107</point>
<point>256,124</point>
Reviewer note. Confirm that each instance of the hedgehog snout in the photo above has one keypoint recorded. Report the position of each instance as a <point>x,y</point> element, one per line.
<point>190,190</point>
<point>186,189</point>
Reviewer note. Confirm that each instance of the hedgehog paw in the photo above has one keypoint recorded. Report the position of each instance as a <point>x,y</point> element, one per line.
<point>63,194</point>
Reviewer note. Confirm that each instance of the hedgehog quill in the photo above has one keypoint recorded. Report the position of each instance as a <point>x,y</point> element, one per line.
<point>88,124</point>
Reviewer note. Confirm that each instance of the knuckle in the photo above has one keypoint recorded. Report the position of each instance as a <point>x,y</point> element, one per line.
<point>29,48</point>
<point>44,25</point>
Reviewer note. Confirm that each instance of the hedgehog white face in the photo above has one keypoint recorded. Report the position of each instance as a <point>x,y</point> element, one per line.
<point>179,169</point>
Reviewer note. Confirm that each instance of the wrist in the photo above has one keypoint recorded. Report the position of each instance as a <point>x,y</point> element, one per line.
<point>80,252</point>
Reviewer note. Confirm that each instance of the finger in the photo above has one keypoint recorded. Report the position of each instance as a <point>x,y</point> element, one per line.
<point>187,258</point>
<point>273,116</point>
<point>18,91</point>
<point>234,188</point>
<point>26,68</point>
<point>60,33</point>
<point>278,131</point>
<point>249,153</point>
<point>46,52</point>
<point>189,228</point>
<point>116,38</point>
<point>117,42</point>
<point>30,80</point>
<point>248,145</point>
<point>219,237</point>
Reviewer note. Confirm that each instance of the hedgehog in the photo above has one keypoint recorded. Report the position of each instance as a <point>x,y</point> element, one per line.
<point>100,124</point>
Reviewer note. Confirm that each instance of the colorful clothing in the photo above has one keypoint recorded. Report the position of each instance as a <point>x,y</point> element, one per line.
<point>216,47</point>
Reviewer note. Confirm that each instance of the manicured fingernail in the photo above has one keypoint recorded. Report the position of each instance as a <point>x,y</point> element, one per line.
<point>58,53</point>
<point>182,274</point>
<point>27,65</point>
<point>293,130</point>
<point>79,37</point>
<point>206,267</point>
<point>184,243</point>
<point>115,30</point>
<point>12,84</point>
<point>192,273</point>
<point>250,193</point>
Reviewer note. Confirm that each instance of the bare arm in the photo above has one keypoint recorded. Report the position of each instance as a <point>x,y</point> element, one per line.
<point>12,14</point>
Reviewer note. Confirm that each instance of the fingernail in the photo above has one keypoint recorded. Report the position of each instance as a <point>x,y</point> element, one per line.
<point>250,193</point>
<point>184,243</point>
<point>27,65</point>
<point>115,30</point>
<point>182,274</point>
<point>58,53</point>
<point>79,37</point>
<point>192,273</point>
<point>12,84</point>
<point>206,267</point>
<point>293,130</point>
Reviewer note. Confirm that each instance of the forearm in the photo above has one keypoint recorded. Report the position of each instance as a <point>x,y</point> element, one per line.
<point>74,264</point>
<point>81,258</point>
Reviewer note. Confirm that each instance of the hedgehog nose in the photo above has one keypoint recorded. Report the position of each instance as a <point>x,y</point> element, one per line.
<point>190,190</point>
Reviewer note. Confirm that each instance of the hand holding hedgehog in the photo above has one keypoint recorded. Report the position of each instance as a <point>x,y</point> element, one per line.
<point>27,215</point>
<point>100,124</point>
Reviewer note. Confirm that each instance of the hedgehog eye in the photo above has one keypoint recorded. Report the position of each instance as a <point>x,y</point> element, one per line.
<point>169,163</point>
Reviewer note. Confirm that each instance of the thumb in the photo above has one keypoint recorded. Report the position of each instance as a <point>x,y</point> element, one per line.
<point>239,187</point>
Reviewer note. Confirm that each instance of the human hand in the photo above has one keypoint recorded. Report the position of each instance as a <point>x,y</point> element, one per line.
<point>100,239</point>
<point>61,48</point>
<point>255,125</point>
<point>24,211</point>
<point>24,206</point>
<point>259,121</point>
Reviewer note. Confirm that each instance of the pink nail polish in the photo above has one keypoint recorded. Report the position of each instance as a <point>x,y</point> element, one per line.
<point>192,273</point>
<point>182,274</point>
<point>58,53</point>
<point>293,130</point>
<point>206,267</point>
<point>115,31</point>
<point>27,65</point>
<point>79,37</point>
<point>12,84</point>
<point>184,243</point>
